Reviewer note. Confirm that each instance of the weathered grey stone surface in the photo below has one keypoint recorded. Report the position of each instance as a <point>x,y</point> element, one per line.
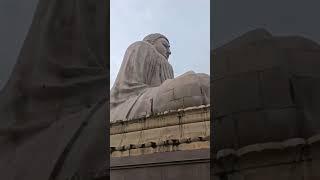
<point>145,83</point>
<point>266,108</point>
<point>53,108</point>
<point>296,159</point>
<point>186,165</point>
<point>267,83</point>
<point>182,130</point>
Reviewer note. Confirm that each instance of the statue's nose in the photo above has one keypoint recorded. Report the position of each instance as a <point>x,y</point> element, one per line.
<point>169,52</point>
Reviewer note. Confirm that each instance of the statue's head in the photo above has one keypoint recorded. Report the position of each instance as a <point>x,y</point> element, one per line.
<point>160,42</point>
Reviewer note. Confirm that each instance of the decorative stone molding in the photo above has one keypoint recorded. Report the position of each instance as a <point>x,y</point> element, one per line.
<point>183,129</point>
<point>302,154</point>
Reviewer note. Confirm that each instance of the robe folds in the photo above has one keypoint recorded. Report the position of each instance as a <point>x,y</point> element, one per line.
<point>144,82</point>
<point>142,69</point>
<point>53,108</point>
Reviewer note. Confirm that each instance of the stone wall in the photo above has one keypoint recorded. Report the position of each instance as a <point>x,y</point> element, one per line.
<point>185,129</point>
<point>293,159</point>
<point>169,145</point>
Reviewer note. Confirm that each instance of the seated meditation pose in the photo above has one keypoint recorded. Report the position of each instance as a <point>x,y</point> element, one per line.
<point>53,108</point>
<point>146,85</point>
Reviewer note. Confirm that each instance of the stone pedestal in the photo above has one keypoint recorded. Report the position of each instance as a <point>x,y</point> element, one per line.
<point>169,145</point>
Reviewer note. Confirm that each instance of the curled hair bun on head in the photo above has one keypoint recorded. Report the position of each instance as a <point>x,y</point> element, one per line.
<point>151,38</point>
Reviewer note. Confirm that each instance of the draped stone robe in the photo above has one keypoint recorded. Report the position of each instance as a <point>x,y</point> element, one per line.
<point>143,69</point>
<point>146,85</point>
<point>53,108</point>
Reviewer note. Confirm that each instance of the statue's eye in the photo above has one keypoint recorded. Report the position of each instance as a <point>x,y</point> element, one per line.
<point>165,45</point>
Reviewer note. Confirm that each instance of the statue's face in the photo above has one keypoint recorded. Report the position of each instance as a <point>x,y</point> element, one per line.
<point>163,47</point>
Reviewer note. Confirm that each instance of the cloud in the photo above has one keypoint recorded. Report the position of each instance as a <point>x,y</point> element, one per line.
<point>147,15</point>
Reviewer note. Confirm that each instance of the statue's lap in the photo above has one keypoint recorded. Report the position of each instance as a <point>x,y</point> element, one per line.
<point>187,90</point>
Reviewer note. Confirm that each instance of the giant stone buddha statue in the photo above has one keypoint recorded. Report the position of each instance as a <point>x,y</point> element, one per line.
<point>53,108</point>
<point>146,85</point>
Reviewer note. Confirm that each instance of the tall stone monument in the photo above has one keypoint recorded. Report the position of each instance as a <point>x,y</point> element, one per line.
<point>53,108</point>
<point>146,85</point>
<point>160,124</point>
<point>266,108</point>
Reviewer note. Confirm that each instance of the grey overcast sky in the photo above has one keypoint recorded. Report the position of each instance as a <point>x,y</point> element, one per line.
<point>15,19</point>
<point>186,23</point>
